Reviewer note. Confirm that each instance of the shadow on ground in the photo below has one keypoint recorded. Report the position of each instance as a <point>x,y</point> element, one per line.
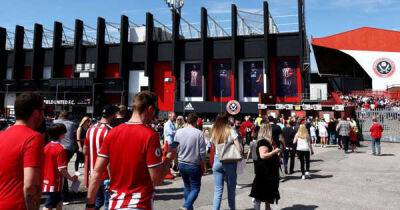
<point>300,207</point>
<point>313,176</point>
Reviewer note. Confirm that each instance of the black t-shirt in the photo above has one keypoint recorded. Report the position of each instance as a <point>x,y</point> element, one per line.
<point>332,126</point>
<point>288,134</point>
<point>276,132</point>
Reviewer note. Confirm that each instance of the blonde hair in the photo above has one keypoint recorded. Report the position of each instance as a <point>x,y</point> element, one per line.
<point>83,121</point>
<point>265,132</point>
<point>221,130</point>
<point>302,132</point>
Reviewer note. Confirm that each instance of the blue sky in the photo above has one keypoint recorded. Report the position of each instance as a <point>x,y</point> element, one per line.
<point>323,17</point>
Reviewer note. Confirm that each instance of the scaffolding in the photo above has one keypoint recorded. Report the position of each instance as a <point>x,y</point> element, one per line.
<point>89,36</point>
<point>214,29</point>
<point>161,31</point>
<point>112,33</point>
<point>188,30</point>
<point>67,36</point>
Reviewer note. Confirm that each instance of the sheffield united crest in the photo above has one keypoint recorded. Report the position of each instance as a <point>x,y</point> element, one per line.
<point>384,67</point>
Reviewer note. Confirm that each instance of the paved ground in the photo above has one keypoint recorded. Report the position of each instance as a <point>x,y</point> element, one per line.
<point>352,181</point>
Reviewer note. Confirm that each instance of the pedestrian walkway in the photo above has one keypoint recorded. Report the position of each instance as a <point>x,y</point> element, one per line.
<point>352,181</point>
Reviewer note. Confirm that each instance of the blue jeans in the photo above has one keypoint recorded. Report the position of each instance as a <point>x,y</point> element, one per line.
<point>102,197</point>
<point>332,137</point>
<point>221,172</point>
<point>191,175</point>
<point>376,146</point>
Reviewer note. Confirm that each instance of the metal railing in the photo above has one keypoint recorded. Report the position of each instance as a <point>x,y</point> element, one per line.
<point>215,29</point>
<point>389,119</point>
<point>188,30</point>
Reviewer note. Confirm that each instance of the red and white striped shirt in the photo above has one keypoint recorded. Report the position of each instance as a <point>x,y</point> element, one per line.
<point>93,141</point>
<point>55,159</point>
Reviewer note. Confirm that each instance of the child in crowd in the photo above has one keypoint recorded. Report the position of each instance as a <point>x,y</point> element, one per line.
<point>55,168</point>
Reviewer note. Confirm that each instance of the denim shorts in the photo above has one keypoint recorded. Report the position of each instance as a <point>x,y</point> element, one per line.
<point>52,199</point>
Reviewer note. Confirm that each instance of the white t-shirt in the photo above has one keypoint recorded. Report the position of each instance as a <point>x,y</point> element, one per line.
<point>302,145</point>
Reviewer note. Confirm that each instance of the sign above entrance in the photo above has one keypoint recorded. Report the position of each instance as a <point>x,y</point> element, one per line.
<point>233,107</point>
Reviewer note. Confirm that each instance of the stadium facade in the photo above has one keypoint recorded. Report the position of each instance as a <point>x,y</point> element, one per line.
<point>188,74</point>
<point>361,59</point>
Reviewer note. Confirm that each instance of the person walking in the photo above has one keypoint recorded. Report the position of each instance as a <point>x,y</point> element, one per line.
<point>120,116</point>
<point>21,155</point>
<point>265,187</point>
<point>222,134</point>
<point>93,142</point>
<point>288,134</point>
<point>304,150</point>
<point>332,131</point>
<point>323,132</point>
<point>80,139</point>
<point>68,143</point>
<point>55,168</point>
<point>132,152</point>
<point>169,134</point>
<point>343,128</point>
<point>376,130</point>
<point>191,152</point>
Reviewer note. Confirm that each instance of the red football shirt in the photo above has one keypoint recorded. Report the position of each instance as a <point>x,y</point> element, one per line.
<point>93,141</point>
<point>55,158</point>
<point>131,150</point>
<point>20,147</point>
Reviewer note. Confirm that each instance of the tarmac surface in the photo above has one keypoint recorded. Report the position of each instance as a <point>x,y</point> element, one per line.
<point>338,181</point>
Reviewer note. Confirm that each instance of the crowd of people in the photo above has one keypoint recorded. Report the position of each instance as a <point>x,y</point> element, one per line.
<point>370,102</point>
<point>124,160</point>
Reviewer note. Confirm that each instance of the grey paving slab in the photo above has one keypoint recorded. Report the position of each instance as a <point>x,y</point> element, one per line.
<point>339,181</point>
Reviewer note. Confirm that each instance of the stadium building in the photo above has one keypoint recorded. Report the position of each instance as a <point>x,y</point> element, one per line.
<point>200,72</point>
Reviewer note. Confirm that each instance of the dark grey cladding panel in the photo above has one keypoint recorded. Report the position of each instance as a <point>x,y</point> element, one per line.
<point>253,48</point>
<point>68,56</point>
<point>10,59</point>
<point>214,107</point>
<point>138,52</point>
<point>164,52</point>
<point>222,49</point>
<point>90,54</point>
<point>288,45</point>
<point>28,57</point>
<point>114,54</point>
<point>192,50</point>
<point>47,57</point>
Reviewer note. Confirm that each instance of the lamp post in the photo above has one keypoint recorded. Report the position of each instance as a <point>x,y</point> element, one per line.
<point>175,5</point>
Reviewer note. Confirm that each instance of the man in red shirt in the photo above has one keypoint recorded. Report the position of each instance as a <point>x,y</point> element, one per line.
<point>94,139</point>
<point>55,167</point>
<point>376,135</point>
<point>246,130</point>
<point>133,153</point>
<point>21,153</point>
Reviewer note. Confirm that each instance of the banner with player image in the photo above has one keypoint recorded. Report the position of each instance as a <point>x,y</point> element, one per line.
<point>253,78</point>
<point>193,80</point>
<point>221,75</point>
<point>286,77</point>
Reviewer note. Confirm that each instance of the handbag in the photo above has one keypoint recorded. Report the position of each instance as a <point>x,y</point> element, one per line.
<point>228,153</point>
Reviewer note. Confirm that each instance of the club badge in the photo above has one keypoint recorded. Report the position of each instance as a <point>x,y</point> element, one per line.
<point>384,67</point>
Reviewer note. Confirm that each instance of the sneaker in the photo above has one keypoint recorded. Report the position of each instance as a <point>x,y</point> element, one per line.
<point>182,208</point>
<point>286,171</point>
<point>239,186</point>
<point>303,177</point>
<point>65,203</point>
<point>307,174</point>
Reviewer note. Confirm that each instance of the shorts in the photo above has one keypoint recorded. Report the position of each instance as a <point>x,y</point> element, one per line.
<point>52,199</point>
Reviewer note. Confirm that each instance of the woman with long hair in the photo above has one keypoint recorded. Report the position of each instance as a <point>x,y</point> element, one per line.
<point>304,149</point>
<point>221,135</point>
<point>80,138</point>
<point>265,187</point>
